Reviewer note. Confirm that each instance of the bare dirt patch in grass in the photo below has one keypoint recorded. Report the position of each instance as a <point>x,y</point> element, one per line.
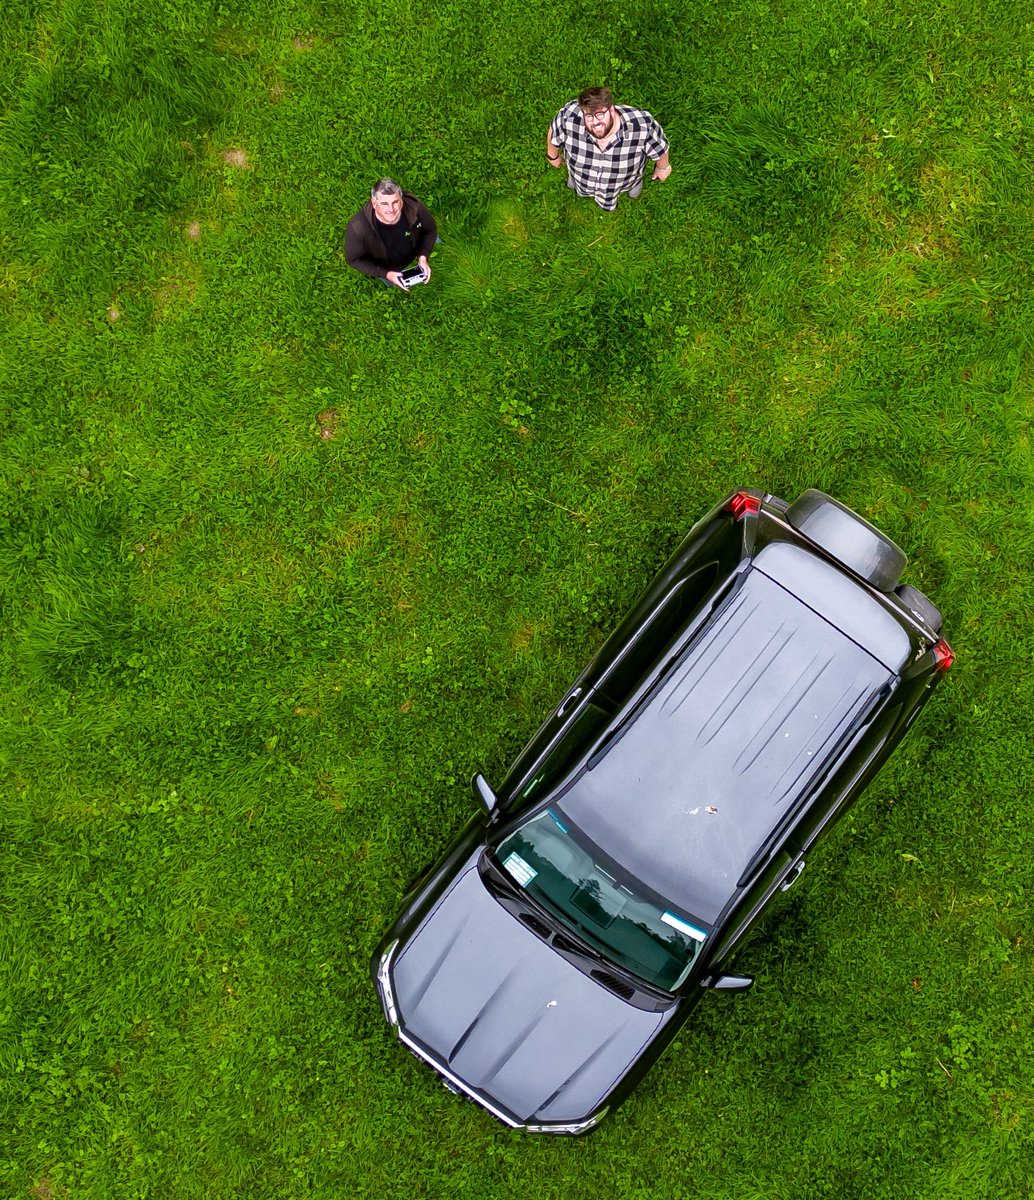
<point>328,791</point>
<point>193,231</point>
<point>522,637</point>
<point>356,535</point>
<point>112,315</point>
<point>407,530</point>
<point>236,158</point>
<point>510,222</point>
<point>328,423</point>
<point>175,292</point>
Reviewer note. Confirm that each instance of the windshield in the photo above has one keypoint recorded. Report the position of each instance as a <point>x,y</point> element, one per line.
<point>547,859</point>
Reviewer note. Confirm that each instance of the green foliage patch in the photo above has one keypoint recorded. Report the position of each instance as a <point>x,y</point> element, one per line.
<point>285,558</point>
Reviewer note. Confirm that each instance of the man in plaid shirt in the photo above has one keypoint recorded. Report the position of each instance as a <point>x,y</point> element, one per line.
<point>606,146</point>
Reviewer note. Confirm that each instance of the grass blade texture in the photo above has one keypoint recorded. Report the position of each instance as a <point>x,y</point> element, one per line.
<point>285,557</point>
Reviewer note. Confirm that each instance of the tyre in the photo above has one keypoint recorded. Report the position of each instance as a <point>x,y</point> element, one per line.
<point>920,606</point>
<point>848,538</point>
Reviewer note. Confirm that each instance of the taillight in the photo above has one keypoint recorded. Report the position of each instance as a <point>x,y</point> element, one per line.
<point>742,503</point>
<point>943,655</point>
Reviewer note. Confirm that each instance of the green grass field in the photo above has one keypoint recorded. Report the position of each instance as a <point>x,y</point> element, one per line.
<point>286,557</point>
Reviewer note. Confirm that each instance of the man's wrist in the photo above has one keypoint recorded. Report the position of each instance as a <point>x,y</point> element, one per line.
<point>552,157</point>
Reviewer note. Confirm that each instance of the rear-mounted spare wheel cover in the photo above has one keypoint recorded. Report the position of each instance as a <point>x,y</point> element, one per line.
<point>848,538</point>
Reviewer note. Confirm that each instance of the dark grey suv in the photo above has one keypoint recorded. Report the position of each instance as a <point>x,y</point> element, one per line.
<point>548,958</point>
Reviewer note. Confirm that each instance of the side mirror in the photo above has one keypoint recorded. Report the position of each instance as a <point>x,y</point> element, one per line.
<point>728,983</point>
<point>483,793</point>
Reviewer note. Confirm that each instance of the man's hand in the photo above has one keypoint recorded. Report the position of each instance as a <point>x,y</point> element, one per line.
<point>422,260</point>
<point>661,171</point>
<point>395,279</point>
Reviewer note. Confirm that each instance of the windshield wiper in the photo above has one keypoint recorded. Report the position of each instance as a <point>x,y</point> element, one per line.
<point>521,903</point>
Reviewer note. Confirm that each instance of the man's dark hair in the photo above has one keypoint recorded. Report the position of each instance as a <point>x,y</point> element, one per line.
<point>593,99</point>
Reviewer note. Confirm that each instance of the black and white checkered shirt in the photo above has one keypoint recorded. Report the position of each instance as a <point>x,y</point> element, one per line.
<point>605,174</point>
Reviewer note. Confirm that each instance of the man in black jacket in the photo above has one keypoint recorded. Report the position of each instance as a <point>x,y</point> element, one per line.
<point>392,230</point>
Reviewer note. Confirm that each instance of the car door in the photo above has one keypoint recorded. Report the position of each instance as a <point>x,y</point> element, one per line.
<point>748,909</point>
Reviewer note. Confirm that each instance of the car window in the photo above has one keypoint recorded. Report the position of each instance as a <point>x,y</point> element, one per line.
<point>585,726</point>
<point>556,867</point>
<point>657,634</point>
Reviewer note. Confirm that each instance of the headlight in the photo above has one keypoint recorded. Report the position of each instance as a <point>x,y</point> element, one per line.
<point>384,985</point>
<point>581,1127</point>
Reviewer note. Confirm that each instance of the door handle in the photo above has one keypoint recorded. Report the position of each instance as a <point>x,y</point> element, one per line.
<point>794,875</point>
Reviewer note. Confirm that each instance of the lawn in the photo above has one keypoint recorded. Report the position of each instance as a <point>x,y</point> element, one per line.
<point>285,558</point>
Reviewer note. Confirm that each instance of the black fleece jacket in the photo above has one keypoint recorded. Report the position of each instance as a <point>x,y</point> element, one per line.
<point>364,249</point>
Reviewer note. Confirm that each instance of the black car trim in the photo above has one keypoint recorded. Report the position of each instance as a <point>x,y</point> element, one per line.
<point>675,611</point>
<point>536,925</point>
<point>616,985</point>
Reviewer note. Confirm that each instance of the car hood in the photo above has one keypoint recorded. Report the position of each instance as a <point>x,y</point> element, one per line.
<point>503,1012</point>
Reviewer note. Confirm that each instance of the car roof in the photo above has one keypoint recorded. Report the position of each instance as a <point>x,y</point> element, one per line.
<point>728,741</point>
